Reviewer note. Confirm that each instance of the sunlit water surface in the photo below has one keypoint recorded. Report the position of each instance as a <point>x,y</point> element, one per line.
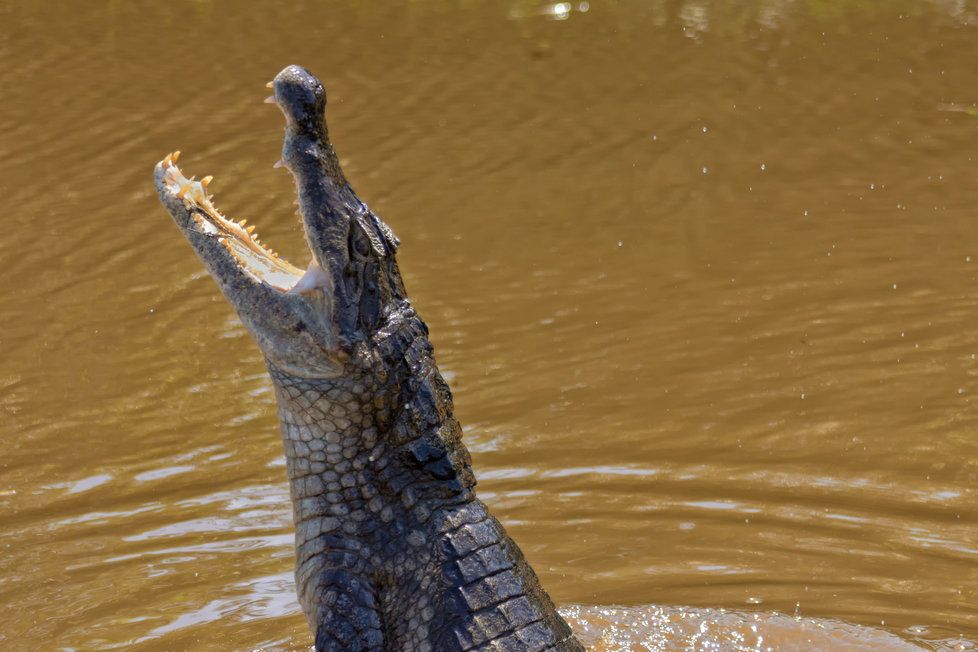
<point>702,275</point>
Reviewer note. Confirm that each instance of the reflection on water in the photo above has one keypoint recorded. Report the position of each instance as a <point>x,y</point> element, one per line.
<point>662,629</point>
<point>702,275</point>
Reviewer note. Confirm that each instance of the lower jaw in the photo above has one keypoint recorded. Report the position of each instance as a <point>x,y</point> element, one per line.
<point>251,255</point>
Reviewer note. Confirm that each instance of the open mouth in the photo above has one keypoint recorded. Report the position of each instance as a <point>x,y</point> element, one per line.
<point>252,256</point>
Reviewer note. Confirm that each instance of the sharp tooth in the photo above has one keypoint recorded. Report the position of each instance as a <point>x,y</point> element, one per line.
<point>270,84</point>
<point>175,156</point>
<point>241,223</point>
<point>271,100</point>
<point>206,180</point>
<point>168,160</point>
<point>250,229</point>
<point>279,164</point>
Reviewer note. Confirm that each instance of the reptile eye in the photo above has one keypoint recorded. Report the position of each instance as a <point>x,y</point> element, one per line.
<point>361,246</point>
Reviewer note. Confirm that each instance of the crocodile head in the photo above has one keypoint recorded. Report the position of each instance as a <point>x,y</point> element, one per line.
<point>307,324</point>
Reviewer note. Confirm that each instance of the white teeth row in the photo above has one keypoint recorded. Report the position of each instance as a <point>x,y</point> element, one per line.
<point>194,194</point>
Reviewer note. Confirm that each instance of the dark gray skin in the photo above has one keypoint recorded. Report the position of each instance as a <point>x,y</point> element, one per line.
<point>393,549</point>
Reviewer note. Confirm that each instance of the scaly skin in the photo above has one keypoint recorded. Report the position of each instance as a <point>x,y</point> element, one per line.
<point>393,549</point>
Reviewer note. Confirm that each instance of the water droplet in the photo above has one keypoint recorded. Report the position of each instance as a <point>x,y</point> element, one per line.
<point>560,10</point>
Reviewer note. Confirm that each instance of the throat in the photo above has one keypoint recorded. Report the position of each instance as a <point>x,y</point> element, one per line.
<point>328,430</point>
<point>360,461</point>
<point>332,450</point>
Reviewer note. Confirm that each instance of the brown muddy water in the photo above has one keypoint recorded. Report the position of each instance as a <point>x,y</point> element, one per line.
<point>703,276</point>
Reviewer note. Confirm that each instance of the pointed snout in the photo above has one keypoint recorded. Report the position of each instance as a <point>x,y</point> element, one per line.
<point>301,97</point>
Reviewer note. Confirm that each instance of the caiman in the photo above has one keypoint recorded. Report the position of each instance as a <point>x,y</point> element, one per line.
<point>394,551</point>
